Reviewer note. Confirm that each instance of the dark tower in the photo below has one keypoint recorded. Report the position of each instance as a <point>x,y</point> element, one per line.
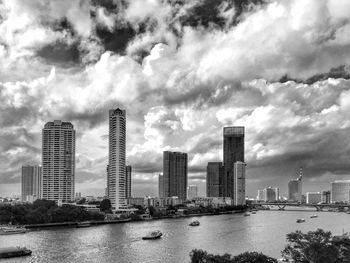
<point>233,152</point>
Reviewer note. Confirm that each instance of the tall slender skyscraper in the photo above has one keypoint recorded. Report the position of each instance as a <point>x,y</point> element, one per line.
<point>31,182</point>
<point>233,152</point>
<point>175,174</point>
<point>239,183</point>
<point>160,186</point>
<point>58,160</point>
<point>215,173</point>
<point>116,159</point>
<point>128,181</point>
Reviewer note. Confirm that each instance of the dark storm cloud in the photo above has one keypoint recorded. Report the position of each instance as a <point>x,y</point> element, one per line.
<point>336,73</point>
<point>61,53</point>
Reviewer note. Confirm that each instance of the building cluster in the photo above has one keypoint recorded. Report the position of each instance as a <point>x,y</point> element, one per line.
<point>54,179</point>
<point>339,193</point>
<point>227,178</point>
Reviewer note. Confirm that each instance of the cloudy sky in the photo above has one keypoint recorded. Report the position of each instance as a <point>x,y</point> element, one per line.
<point>182,69</point>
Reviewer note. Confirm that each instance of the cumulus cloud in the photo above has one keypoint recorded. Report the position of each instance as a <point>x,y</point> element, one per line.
<point>182,71</point>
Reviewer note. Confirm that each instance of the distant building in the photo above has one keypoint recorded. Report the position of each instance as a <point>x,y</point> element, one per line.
<point>116,181</point>
<point>160,186</point>
<point>58,161</point>
<point>215,173</point>
<point>326,197</point>
<point>192,191</point>
<point>313,197</point>
<point>239,183</point>
<point>77,195</point>
<point>31,182</point>
<point>128,181</point>
<point>340,191</point>
<point>233,152</point>
<point>260,196</point>
<point>271,194</point>
<point>175,174</point>
<point>295,189</point>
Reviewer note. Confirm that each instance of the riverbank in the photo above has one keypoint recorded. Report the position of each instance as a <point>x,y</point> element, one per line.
<point>126,220</point>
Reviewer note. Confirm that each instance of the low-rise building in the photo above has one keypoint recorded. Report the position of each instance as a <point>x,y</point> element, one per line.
<point>313,197</point>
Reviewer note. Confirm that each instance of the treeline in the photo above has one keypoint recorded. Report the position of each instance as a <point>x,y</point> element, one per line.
<point>311,247</point>
<point>44,211</point>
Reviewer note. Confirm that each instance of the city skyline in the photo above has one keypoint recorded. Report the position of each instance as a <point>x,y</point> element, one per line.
<point>182,78</point>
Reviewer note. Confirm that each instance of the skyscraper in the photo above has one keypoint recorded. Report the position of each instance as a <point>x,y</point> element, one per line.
<point>215,172</point>
<point>160,186</point>
<point>271,194</point>
<point>175,174</point>
<point>192,191</point>
<point>295,188</point>
<point>239,183</point>
<point>116,180</point>
<point>233,152</point>
<point>340,191</point>
<point>58,161</point>
<point>31,182</point>
<point>128,181</point>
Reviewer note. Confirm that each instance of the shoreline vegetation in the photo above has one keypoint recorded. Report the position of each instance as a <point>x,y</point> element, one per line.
<point>44,213</point>
<point>312,247</point>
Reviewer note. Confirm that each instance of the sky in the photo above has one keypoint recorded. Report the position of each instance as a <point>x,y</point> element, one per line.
<point>182,70</point>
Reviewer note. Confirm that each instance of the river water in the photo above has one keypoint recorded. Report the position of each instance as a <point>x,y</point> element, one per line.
<point>264,232</point>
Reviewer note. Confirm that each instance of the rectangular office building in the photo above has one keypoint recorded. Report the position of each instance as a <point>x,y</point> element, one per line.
<point>175,174</point>
<point>215,173</point>
<point>31,182</point>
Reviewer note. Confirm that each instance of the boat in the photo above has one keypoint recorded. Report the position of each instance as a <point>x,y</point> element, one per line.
<point>12,230</point>
<point>153,235</point>
<point>84,224</point>
<point>9,252</point>
<point>313,216</point>
<point>195,223</point>
<point>300,220</point>
<point>253,212</point>
<point>246,214</point>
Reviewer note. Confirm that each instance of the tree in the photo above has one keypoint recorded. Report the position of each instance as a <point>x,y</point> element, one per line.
<point>200,256</point>
<point>105,205</point>
<point>316,247</point>
<point>81,201</point>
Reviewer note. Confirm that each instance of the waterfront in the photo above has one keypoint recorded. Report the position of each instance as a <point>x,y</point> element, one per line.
<point>264,231</point>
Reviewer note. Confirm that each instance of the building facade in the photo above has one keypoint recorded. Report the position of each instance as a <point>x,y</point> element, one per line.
<point>233,152</point>
<point>326,197</point>
<point>116,178</point>
<point>313,197</point>
<point>160,186</point>
<point>192,191</point>
<point>215,173</point>
<point>31,182</point>
<point>175,174</point>
<point>128,170</point>
<point>239,183</point>
<point>295,189</point>
<point>340,191</point>
<point>260,196</point>
<point>271,194</point>
<point>58,161</point>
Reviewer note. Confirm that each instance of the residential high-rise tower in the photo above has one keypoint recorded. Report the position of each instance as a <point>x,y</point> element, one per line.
<point>116,181</point>
<point>215,173</point>
<point>128,181</point>
<point>58,161</point>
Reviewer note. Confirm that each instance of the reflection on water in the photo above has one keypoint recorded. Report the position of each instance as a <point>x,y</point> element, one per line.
<point>264,232</point>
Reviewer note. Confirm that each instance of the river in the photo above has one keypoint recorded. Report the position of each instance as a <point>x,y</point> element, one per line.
<point>265,232</point>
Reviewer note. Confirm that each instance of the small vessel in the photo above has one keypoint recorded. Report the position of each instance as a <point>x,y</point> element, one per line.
<point>12,230</point>
<point>253,212</point>
<point>84,224</point>
<point>246,214</point>
<point>9,252</point>
<point>195,223</point>
<point>153,235</point>
<point>300,220</point>
<point>313,216</point>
